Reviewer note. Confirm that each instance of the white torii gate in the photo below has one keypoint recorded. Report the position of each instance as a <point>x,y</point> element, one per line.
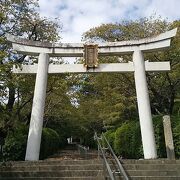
<point>138,66</point>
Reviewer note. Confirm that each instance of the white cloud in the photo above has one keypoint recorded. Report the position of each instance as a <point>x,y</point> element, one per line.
<point>165,8</point>
<point>78,16</point>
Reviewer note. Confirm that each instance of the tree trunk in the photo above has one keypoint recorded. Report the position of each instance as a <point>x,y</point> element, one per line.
<point>171,103</point>
<point>11,99</point>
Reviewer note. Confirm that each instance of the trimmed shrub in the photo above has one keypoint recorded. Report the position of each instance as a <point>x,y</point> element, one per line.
<point>127,141</point>
<point>159,136</point>
<point>87,139</point>
<point>176,134</point>
<point>177,141</point>
<point>16,141</point>
<point>50,142</point>
<point>15,144</point>
<point>110,136</point>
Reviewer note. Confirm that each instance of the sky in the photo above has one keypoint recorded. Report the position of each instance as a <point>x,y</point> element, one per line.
<point>78,16</point>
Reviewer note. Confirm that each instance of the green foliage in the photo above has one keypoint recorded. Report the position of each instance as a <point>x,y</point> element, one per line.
<point>127,30</point>
<point>110,136</point>
<point>16,141</point>
<point>159,136</point>
<point>15,144</point>
<point>127,141</point>
<point>88,140</point>
<point>19,18</point>
<point>50,142</point>
<point>104,98</point>
<point>63,127</point>
<point>175,123</point>
<point>163,87</point>
<point>177,140</point>
<point>176,109</point>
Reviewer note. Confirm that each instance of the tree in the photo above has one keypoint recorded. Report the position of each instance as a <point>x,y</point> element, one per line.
<point>113,96</point>
<point>163,87</point>
<point>19,18</point>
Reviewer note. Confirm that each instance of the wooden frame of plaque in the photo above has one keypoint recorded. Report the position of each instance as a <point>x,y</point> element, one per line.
<point>91,55</point>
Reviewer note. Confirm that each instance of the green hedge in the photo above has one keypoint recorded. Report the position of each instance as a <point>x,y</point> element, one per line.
<point>177,141</point>
<point>15,144</point>
<point>87,139</point>
<point>110,136</point>
<point>50,143</point>
<point>16,141</point>
<point>127,141</point>
<point>176,134</point>
<point>159,136</point>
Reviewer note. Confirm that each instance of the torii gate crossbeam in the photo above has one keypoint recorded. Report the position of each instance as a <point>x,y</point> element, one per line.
<point>138,66</point>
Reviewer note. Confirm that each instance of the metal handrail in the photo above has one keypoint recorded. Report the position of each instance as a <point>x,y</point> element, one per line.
<point>104,158</point>
<point>120,167</point>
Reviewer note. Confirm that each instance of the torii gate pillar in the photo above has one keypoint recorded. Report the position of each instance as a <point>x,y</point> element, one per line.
<point>145,117</point>
<point>36,123</point>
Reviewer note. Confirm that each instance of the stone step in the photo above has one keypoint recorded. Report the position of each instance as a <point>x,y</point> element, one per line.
<point>153,173</point>
<point>130,171</point>
<point>52,167</point>
<point>155,178</point>
<point>135,173</point>
<point>151,169</point>
<point>148,178</point>
<point>74,156</point>
<point>153,161</point>
<point>54,162</point>
<point>164,167</point>
<point>55,178</point>
<point>62,173</point>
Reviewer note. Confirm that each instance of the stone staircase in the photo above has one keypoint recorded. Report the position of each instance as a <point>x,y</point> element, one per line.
<point>89,169</point>
<point>70,164</point>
